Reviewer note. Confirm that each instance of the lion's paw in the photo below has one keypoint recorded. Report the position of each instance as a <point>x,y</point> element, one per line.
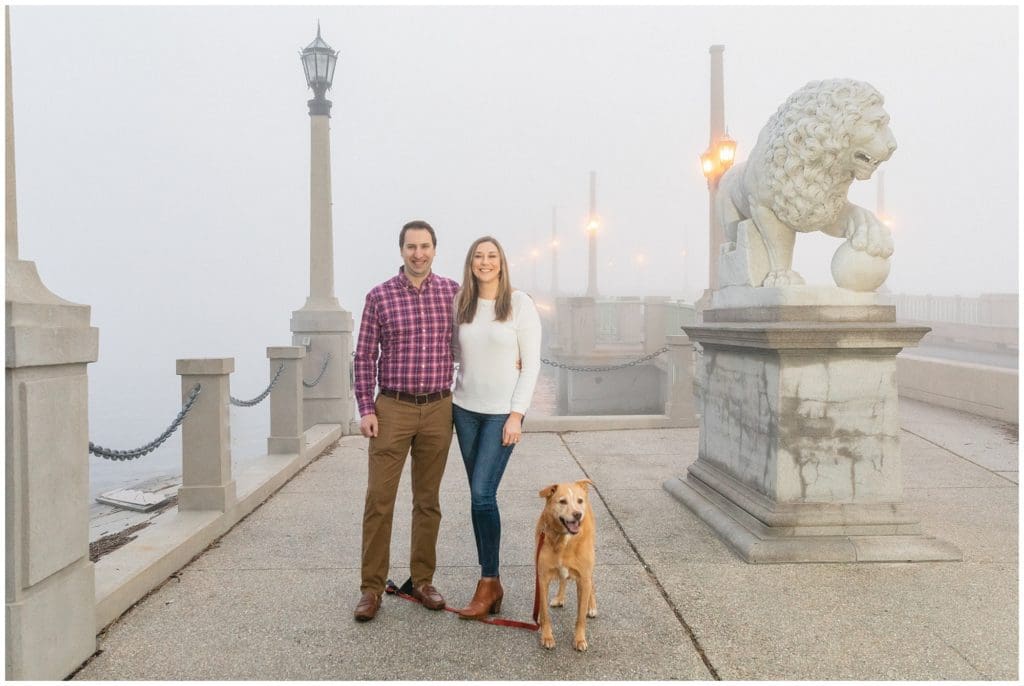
<point>782,277</point>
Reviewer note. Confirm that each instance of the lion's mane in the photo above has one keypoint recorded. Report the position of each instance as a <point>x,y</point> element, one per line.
<point>801,162</point>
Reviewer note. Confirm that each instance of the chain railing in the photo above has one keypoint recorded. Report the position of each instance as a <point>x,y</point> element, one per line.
<point>314,382</point>
<point>606,368</point>
<point>108,454</point>
<point>258,399</point>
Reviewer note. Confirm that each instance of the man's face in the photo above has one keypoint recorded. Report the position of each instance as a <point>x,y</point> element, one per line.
<point>417,253</point>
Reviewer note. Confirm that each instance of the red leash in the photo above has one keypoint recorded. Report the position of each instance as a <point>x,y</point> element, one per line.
<point>392,589</point>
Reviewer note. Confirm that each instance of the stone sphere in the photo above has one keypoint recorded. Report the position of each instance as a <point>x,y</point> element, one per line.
<point>857,270</point>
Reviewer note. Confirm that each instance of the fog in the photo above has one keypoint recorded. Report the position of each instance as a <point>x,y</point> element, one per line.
<point>163,158</point>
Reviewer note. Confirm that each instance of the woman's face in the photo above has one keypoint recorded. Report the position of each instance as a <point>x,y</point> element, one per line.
<point>486,263</point>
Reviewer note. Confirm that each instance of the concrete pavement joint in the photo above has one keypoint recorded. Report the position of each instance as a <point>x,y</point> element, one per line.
<point>657,582</point>
<point>953,452</point>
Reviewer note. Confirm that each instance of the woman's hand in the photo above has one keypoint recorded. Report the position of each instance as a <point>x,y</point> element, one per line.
<point>513,430</point>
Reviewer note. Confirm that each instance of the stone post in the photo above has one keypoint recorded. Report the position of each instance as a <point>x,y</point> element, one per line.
<point>287,433</point>
<point>206,482</point>
<point>680,404</point>
<point>582,326</point>
<point>49,583</point>
<point>655,313</point>
<point>322,326</point>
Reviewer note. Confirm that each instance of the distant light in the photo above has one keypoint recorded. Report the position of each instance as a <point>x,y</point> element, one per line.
<point>555,243</point>
<point>640,258</point>
<point>535,253</point>
<point>593,225</point>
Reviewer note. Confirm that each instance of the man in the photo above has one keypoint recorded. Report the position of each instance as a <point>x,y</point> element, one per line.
<point>405,347</point>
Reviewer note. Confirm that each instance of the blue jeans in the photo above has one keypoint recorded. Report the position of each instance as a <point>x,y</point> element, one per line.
<point>485,459</point>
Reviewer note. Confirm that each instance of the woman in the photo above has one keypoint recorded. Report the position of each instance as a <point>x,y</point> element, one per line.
<point>497,344</point>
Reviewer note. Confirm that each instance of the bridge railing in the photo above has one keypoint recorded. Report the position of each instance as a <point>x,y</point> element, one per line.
<point>619,363</point>
<point>989,309</point>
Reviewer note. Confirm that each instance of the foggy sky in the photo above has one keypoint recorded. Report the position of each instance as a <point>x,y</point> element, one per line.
<point>163,155</point>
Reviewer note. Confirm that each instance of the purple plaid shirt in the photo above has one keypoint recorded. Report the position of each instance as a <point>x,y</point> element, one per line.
<point>412,330</point>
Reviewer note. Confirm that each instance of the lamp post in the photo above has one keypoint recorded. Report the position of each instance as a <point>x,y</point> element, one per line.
<point>716,160</point>
<point>554,252</point>
<point>322,326</point>
<point>593,224</point>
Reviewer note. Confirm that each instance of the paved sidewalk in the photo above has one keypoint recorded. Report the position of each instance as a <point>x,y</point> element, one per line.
<point>273,599</point>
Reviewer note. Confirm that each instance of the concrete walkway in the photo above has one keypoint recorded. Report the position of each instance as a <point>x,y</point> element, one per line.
<point>273,598</point>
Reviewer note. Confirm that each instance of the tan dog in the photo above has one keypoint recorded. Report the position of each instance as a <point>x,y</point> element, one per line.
<point>567,525</point>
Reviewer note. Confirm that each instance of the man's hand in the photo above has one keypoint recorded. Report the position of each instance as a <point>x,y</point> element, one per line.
<point>368,426</point>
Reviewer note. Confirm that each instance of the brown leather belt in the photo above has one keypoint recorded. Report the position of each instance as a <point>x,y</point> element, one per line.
<point>416,399</point>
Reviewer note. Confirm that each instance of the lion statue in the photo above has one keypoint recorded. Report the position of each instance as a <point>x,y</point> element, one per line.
<point>796,179</point>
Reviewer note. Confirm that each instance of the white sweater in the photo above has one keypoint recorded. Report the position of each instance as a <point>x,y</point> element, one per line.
<point>488,381</point>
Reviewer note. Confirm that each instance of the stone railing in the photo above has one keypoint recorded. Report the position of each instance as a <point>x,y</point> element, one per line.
<point>605,351</point>
<point>990,309</point>
<point>212,498</point>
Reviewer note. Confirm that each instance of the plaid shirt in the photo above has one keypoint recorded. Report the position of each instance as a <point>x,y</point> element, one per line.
<point>412,330</point>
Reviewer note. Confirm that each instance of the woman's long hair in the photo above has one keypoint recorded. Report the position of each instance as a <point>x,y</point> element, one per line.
<point>465,304</point>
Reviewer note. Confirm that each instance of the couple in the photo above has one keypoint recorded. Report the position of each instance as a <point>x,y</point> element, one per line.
<point>413,327</point>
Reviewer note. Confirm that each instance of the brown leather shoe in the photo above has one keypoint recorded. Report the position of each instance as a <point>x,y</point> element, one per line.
<point>367,607</point>
<point>486,600</point>
<point>429,596</point>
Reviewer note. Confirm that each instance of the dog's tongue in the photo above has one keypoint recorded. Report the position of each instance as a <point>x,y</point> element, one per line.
<point>573,527</point>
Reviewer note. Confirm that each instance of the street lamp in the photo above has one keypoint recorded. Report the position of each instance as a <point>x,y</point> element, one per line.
<point>717,159</point>
<point>319,60</point>
<point>322,326</point>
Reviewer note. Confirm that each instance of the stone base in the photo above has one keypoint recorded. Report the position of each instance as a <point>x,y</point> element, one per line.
<point>51,627</point>
<point>285,445</point>
<point>217,498</point>
<point>757,543</point>
<point>799,455</point>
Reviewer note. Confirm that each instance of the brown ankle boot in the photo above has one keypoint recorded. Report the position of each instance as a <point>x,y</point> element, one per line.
<point>487,599</point>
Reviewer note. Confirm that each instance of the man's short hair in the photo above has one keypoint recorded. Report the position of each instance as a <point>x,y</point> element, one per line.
<point>417,224</point>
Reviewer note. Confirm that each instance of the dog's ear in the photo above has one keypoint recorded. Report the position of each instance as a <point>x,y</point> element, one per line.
<point>548,491</point>
<point>582,483</point>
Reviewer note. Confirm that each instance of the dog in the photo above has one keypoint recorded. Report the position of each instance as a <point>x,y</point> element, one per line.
<point>565,544</point>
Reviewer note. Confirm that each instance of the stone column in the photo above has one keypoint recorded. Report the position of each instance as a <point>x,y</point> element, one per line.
<point>206,482</point>
<point>50,582</point>
<point>799,457</point>
<point>680,405</point>
<point>322,326</point>
<point>287,433</point>
<point>655,314</point>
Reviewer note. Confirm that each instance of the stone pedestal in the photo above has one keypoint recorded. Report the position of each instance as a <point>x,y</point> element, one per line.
<point>50,595</point>
<point>799,457</point>
<point>331,400</point>
<point>206,482</point>
<point>287,430</point>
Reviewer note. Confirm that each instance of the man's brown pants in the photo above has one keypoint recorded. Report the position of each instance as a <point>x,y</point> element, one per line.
<point>427,431</point>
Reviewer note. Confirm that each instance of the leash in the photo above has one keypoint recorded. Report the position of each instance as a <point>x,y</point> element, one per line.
<point>403,593</point>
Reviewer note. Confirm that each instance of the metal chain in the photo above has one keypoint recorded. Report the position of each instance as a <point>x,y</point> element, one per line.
<point>314,382</point>
<point>645,358</point>
<point>258,399</point>
<point>153,445</point>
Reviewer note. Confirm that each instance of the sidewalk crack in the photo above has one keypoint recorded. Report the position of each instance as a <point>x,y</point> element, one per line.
<point>647,568</point>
